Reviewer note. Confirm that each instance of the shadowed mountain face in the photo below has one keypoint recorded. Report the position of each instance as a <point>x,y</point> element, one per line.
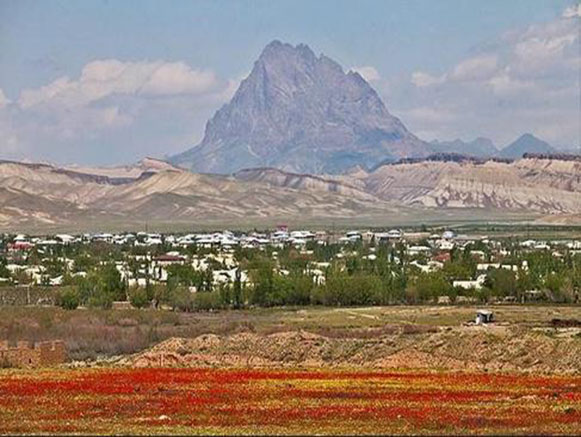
<point>299,112</point>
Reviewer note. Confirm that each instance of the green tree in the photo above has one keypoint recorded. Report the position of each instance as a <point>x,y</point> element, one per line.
<point>262,276</point>
<point>237,290</point>
<point>4,272</point>
<point>110,282</point>
<point>429,286</point>
<point>180,298</point>
<point>502,282</point>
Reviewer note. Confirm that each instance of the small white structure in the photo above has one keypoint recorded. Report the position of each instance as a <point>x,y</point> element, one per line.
<point>448,235</point>
<point>467,285</point>
<point>484,316</point>
<point>416,250</point>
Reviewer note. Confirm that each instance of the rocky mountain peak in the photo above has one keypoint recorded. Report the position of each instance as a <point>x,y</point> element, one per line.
<point>300,112</point>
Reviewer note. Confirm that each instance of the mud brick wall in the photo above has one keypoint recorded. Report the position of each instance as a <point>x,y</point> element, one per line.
<point>51,352</point>
<point>27,355</point>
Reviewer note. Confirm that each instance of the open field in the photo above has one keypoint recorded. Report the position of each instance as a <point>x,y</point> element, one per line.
<point>402,217</point>
<point>382,337</point>
<point>311,370</point>
<point>202,401</point>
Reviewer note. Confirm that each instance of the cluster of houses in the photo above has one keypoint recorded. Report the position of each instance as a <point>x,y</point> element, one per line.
<point>424,251</point>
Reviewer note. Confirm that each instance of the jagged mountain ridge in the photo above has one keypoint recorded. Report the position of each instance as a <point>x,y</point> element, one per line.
<point>302,113</point>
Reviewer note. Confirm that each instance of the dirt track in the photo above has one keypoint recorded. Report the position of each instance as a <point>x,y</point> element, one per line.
<point>490,348</point>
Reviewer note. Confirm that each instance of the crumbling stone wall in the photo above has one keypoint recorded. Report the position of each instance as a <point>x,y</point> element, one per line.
<point>25,354</point>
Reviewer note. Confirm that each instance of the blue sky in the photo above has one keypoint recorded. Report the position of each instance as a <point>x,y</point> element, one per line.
<point>412,52</point>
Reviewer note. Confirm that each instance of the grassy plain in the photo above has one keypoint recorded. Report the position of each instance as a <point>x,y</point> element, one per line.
<point>398,217</point>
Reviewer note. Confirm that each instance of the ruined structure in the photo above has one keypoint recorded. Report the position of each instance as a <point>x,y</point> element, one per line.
<point>25,354</point>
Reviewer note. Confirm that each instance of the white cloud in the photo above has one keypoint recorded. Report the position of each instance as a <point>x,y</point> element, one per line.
<point>3,99</point>
<point>471,69</point>
<point>113,110</point>
<point>103,78</point>
<point>369,73</point>
<point>527,81</point>
<point>32,97</point>
<point>572,11</point>
<point>477,68</point>
<point>504,85</point>
<point>421,79</point>
<point>9,144</point>
<point>179,78</point>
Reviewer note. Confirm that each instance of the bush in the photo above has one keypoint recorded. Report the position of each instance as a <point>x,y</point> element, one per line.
<point>101,299</point>
<point>180,298</point>
<point>207,300</point>
<point>69,299</point>
<point>139,298</point>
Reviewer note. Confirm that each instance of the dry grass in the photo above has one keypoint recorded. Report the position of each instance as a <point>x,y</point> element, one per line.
<point>92,332</point>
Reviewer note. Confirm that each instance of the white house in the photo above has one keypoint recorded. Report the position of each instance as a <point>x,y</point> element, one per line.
<point>471,285</point>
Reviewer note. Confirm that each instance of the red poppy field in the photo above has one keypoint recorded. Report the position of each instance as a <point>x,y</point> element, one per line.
<point>244,401</point>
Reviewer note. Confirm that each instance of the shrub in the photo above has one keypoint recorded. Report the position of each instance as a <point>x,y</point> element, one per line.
<point>180,298</point>
<point>138,297</point>
<point>207,300</point>
<point>101,299</point>
<point>69,299</point>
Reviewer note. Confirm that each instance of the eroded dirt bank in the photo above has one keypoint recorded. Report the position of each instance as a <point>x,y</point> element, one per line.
<point>483,348</point>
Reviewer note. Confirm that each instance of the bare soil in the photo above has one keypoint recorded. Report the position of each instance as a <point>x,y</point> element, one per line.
<point>481,348</point>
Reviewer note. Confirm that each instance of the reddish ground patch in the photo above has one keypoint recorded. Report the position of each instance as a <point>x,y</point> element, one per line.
<point>283,401</point>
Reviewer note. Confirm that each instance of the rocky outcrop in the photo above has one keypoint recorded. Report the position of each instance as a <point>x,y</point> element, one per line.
<point>302,113</point>
<point>544,185</point>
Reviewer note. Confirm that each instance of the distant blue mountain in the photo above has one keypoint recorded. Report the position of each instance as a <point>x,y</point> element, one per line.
<point>480,147</point>
<point>526,143</point>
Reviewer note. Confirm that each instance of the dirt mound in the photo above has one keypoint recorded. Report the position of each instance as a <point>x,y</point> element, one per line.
<point>565,323</point>
<point>494,348</point>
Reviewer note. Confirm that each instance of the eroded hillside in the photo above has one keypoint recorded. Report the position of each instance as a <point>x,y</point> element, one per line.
<point>43,195</point>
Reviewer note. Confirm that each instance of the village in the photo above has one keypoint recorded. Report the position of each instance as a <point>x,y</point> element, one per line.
<point>285,267</point>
